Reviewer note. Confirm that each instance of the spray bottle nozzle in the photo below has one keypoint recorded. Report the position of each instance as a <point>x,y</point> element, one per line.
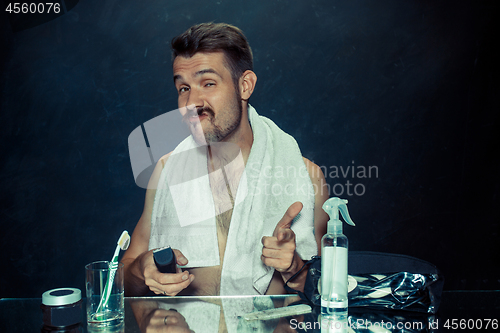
<point>332,207</point>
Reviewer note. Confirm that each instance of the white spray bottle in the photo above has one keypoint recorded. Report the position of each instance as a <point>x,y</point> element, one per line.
<point>334,260</point>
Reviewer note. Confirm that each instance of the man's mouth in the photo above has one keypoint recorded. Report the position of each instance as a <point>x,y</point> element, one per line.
<point>198,116</point>
<point>195,118</point>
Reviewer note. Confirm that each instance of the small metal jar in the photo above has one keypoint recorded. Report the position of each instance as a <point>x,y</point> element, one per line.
<point>62,309</point>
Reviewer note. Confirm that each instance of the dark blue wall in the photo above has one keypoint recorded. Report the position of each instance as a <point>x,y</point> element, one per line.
<point>409,87</point>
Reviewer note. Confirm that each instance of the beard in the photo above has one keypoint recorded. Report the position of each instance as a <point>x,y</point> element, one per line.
<point>220,127</point>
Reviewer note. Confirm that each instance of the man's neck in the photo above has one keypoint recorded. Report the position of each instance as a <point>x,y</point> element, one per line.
<point>245,137</point>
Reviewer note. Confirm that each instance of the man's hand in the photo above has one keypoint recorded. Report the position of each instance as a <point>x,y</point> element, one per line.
<point>160,320</point>
<point>165,283</point>
<point>279,250</point>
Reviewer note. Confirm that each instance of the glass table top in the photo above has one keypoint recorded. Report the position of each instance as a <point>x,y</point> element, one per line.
<point>227,314</point>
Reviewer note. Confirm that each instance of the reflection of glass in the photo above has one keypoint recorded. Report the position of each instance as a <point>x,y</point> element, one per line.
<point>210,313</point>
<point>334,325</point>
<point>152,315</point>
<point>112,314</point>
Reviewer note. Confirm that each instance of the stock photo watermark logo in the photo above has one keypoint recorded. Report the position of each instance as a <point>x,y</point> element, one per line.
<point>355,173</point>
<point>349,324</point>
<point>193,172</point>
<point>188,176</point>
<point>346,180</point>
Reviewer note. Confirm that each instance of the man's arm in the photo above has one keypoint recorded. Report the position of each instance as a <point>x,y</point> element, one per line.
<point>279,250</point>
<point>321,194</point>
<point>141,274</point>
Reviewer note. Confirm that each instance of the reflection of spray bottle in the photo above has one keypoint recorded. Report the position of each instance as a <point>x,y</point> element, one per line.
<point>334,260</point>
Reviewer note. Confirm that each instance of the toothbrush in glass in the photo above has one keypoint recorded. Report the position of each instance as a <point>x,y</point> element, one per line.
<point>123,243</point>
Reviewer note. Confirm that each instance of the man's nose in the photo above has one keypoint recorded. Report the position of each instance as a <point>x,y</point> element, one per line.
<point>188,110</point>
<point>195,98</point>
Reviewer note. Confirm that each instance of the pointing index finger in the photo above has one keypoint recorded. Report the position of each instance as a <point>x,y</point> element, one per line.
<point>285,234</point>
<point>286,220</point>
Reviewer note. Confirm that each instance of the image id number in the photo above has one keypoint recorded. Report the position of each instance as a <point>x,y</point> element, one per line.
<point>33,8</point>
<point>471,324</point>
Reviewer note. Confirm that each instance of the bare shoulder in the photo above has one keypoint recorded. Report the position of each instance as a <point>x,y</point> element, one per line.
<point>315,172</point>
<point>164,158</point>
<point>155,177</point>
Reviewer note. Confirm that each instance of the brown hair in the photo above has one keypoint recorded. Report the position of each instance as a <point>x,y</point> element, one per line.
<point>215,37</point>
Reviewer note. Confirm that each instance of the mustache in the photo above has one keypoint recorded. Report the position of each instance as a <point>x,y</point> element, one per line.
<point>198,112</point>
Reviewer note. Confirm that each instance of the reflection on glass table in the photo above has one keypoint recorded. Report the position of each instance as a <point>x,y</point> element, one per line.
<point>209,314</point>
<point>264,314</point>
<point>230,314</point>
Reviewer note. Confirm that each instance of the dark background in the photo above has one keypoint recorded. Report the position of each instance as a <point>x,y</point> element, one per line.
<point>410,87</point>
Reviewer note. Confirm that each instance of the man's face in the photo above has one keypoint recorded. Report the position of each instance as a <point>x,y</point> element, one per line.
<point>208,100</point>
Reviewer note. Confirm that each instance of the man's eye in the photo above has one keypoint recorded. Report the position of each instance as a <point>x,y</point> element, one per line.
<point>209,84</point>
<point>183,89</point>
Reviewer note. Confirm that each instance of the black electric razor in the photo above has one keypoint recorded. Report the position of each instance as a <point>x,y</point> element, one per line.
<point>165,260</point>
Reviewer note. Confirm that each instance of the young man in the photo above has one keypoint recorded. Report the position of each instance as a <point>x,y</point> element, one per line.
<point>248,246</point>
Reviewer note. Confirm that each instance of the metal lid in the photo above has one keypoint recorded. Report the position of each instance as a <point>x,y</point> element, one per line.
<point>61,296</point>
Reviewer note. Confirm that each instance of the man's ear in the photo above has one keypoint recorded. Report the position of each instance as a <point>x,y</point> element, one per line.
<point>248,80</point>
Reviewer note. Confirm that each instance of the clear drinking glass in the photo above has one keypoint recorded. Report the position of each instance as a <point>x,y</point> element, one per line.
<point>105,302</point>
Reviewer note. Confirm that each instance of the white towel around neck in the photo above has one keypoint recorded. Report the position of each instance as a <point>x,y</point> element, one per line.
<point>274,177</point>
